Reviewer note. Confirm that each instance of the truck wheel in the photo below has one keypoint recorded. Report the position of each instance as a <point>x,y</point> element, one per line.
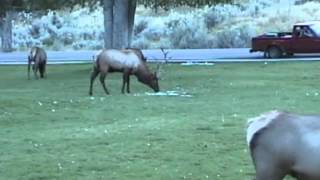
<point>289,54</point>
<point>274,52</point>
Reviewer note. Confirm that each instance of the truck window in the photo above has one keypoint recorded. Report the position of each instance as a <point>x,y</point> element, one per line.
<point>304,31</point>
<point>307,32</point>
<point>298,31</point>
<point>316,29</point>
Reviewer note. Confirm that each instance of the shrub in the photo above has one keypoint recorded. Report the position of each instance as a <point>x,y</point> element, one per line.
<point>236,37</point>
<point>220,13</point>
<point>141,43</point>
<point>188,32</point>
<point>140,26</point>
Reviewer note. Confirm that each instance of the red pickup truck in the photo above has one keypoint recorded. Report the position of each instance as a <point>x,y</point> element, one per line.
<point>304,38</point>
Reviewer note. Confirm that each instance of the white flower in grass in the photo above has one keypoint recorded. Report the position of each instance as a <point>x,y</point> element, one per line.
<point>316,94</point>
<point>53,110</point>
<point>59,166</point>
<point>92,98</point>
<point>40,104</point>
<point>55,102</point>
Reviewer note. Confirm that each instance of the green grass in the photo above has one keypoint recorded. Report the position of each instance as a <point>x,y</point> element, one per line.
<point>129,137</point>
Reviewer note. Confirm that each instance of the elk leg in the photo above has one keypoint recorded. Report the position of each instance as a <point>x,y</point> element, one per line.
<point>126,80</point>
<point>102,79</point>
<point>94,74</point>
<point>42,70</point>
<point>45,69</point>
<point>29,64</point>
<point>128,84</point>
<point>35,70</point>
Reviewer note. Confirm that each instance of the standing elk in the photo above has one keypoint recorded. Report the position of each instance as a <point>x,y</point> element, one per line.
<point>127,61</point>
<point>283,143</point>
<point>39,57</point>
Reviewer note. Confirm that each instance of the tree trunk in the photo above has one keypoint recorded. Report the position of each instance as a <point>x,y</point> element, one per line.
<point>108,23</point>
<point>6,31</point>
<point>120,24</point>
<point>1,27</point>
<point>132,12</point>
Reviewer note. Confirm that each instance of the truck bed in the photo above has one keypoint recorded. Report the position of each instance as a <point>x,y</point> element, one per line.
<point>277,35</point>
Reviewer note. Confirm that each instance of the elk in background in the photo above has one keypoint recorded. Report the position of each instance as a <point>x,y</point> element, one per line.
<point>38,57</point>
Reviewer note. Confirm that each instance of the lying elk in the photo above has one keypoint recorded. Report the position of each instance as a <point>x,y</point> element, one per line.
<point>39,57</point>
<point>128,61</point>
<point>283,143</point>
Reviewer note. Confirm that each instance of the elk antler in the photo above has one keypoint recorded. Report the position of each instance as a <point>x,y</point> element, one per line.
<point>165,54</point>
<point>160,64</point>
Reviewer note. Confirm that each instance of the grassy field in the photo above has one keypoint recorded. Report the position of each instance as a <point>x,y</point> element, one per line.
<point>52,129</point>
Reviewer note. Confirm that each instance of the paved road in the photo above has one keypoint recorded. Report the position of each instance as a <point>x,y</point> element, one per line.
<point>174,55</point>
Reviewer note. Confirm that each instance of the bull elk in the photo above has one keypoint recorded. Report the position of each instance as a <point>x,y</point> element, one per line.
<point>127,61</point>
<point>38,57</point>
<point>283,143</point>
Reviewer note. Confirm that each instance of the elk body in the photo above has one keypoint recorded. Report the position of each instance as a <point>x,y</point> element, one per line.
<point>283,143</point>
<point>129,62</point>
<point>38,57</point>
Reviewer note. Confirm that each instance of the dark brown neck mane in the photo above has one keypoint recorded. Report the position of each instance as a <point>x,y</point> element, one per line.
<point>143,74</point>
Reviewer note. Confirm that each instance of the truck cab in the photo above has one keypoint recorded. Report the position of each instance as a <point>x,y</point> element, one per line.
<point>304,38</point>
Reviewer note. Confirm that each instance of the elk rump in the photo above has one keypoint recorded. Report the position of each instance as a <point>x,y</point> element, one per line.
<point>38,57</point>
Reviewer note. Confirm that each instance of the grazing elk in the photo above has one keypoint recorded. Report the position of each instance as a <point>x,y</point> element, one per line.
<point>128,61</point>
<point>39,58</point>
<point>283,143</point>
